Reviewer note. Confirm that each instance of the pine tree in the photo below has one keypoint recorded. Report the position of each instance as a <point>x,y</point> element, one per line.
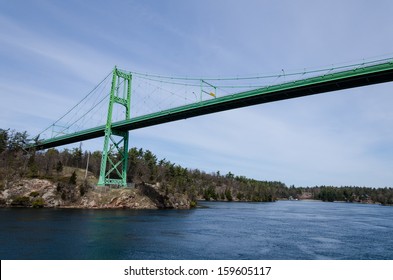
<point>59,167</point>
<point>73,178</point>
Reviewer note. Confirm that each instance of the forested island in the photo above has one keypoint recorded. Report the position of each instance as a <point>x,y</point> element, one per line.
<point>58,178</point>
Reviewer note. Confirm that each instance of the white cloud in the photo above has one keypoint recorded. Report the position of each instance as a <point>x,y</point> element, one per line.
<point>81,60</point>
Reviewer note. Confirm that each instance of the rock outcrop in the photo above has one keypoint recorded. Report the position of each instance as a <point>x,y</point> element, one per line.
<point>44,193</point>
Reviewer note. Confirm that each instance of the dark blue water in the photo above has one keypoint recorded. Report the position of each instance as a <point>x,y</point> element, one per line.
<point>281,230</point>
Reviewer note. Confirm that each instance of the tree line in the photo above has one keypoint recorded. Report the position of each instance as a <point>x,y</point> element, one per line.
<point>145,167</point>
<point>354,194</point>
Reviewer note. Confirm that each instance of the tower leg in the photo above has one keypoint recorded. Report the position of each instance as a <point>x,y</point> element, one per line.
<point>114,159</point>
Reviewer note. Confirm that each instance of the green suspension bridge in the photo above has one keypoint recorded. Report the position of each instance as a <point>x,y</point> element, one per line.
<point>160,99</point>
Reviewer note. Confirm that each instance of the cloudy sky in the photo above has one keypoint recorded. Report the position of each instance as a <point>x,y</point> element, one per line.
<point>53,52</point>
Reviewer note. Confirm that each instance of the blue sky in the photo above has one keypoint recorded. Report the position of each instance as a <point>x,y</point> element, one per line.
<point>53,52</point>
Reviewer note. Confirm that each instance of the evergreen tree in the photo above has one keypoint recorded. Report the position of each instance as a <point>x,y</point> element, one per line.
<point>59,167</point>
<point>73,178</point>
<point>228,194</point>
<point>3,140</point>
<point>32,166</point>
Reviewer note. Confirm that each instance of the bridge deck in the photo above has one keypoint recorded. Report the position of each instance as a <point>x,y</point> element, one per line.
<point>368,75</point>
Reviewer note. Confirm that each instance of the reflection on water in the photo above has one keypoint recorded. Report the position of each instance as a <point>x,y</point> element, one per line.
<point>280,230</point>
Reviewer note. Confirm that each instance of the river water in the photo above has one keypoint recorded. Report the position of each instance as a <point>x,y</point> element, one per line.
<point>284,230</point>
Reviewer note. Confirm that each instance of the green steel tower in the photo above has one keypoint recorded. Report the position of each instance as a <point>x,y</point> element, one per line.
<point>115,153</point>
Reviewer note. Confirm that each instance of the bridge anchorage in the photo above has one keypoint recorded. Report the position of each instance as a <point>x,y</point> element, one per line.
<point>114,160</point>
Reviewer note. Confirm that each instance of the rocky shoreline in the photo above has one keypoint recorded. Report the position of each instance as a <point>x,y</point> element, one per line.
<point>40,193</point>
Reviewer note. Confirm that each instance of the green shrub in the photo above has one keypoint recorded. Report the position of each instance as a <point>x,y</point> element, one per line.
<point>34,194</point>
<point>84,188</point>
<point>228,194</point>
<point>23,201</point>
<point>193,204</point>
<point>38,203</point>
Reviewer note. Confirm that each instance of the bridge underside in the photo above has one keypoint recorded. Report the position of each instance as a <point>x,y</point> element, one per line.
<point>332,82</point>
